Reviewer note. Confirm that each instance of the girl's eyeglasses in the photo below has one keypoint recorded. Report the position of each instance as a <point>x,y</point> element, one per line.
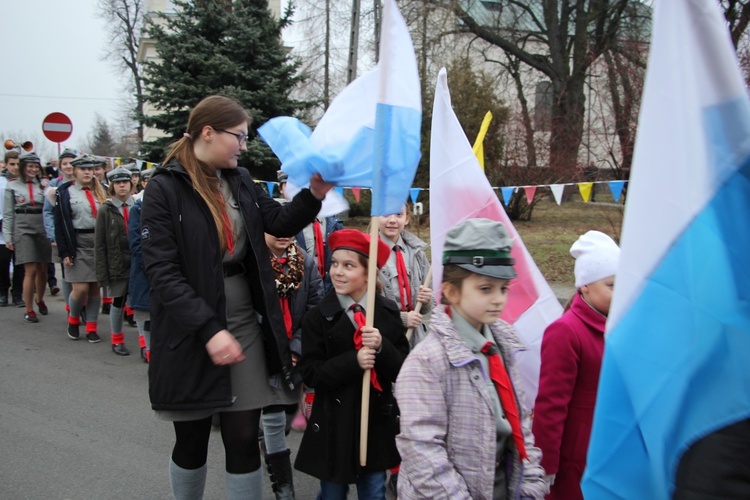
<point>241,137</point>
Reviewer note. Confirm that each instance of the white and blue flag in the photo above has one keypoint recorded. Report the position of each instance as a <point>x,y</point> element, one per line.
<point>677,358</point>
<point>370,135</point>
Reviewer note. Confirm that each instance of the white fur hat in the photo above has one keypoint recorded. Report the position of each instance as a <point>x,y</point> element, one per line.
<point>597,257</point>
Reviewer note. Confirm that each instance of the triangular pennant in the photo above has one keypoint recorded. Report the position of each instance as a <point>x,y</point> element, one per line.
<point>139,164</point>
<point>270,185</point>
<point>118,161</point>
<point>585,189</point>
<point>507,194</point>
<point>557,191</point>
<point>414,194</point>
<point>339,190</point>
<point>616,188</point>
<point>355,192</point>
<point>530,191</point>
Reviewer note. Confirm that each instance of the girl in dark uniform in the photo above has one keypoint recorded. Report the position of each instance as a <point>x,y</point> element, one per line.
<point>113,252</point>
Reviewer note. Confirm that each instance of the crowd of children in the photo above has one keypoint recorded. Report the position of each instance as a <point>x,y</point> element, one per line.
<point>446,416</point>
<point>74,214</point>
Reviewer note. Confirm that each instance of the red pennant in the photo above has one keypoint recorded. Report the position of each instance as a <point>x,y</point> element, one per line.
<point>355,192</point>
<point>530,191</point>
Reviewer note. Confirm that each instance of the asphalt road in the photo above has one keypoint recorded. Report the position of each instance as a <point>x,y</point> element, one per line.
<point>75,420</point>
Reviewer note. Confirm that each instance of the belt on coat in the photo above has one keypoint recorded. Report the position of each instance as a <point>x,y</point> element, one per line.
<point>29,210</point>
<point>233,268</point>
<point>85,231</point>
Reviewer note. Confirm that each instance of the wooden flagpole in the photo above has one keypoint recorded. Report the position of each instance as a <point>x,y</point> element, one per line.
<point>372,276</point>
<point>427,279</point>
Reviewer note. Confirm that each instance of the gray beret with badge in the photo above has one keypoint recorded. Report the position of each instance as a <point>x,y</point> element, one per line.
<point>119,174</point>
<point>85,161</point>
<point>67,153</point>
<point>481,246</point>
<point>29,157</point>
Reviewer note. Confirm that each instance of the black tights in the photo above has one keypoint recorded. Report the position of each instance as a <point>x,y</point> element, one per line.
<point>239,432</point>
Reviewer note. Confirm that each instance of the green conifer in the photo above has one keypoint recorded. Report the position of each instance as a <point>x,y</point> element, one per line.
<point>228,47</point>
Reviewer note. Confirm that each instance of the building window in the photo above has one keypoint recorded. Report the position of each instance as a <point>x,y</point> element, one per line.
<point>543,106</point>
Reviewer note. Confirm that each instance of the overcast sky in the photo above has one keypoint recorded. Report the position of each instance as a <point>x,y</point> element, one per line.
<point>51,52</point>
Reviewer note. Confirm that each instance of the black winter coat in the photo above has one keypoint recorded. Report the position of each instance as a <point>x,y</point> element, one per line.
<point>183,264</point>
<point>138,291</point>
<point>330,446</point>
<point>65,233</point>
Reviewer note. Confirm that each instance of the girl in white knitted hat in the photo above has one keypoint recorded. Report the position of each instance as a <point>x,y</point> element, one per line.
<point>572,350</point>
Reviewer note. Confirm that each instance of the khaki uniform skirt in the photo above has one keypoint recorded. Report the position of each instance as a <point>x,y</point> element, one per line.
<point>83,269</point>
<point>30,240</point>
<point>251,385</point>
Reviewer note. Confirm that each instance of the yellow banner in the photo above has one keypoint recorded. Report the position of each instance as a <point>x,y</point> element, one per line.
<point>479,143</point>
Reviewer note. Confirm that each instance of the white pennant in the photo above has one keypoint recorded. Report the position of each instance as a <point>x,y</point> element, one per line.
<point>557,191</point>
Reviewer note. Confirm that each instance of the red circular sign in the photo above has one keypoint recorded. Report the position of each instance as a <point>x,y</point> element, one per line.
<point>57,127</point>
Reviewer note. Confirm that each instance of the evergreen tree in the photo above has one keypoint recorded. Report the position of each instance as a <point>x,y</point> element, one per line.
<point>101,141</point>
<point>229,47</point>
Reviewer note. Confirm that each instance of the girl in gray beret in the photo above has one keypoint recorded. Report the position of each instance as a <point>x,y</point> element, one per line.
<point>23,229</point>
<point>113,251</point>
<point>465,433</point>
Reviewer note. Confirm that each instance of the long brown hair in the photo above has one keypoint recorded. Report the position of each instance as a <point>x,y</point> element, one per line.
<point>218,112</point>
<point>96,188</point>
<point>22,171</point>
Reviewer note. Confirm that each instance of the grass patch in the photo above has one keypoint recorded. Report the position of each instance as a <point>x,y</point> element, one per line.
<point>549,234</point>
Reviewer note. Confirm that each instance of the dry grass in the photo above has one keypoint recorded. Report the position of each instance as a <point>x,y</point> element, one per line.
<point>553,229</point>
<point>550,233</point>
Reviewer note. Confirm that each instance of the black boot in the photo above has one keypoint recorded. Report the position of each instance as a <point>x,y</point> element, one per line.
<point>280,471</point>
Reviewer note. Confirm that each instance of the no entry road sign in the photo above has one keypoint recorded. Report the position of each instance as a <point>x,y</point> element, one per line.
<point>57,127</point>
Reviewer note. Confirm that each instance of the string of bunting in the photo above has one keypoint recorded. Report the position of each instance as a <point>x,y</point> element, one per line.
<point>116,162</point>
<point>584,188</point>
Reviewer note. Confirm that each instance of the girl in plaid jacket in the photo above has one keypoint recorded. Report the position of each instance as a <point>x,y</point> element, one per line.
<point>464,431</point>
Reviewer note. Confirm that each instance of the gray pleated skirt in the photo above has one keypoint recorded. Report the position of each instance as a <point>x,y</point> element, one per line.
<point>83,269</point>
<point>30,240</point>
<point>251,386</point>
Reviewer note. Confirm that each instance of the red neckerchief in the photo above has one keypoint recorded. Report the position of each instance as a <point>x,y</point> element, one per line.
<point>404,289</point>
<point>31,193</point>
<point>92,202</point>
<point>359,318</point>
<point>320,248</point>
<point>285,306</point>
<point>228,235</point>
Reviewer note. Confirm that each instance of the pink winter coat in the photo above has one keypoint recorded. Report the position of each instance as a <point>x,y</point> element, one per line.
<point>572,350</point>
